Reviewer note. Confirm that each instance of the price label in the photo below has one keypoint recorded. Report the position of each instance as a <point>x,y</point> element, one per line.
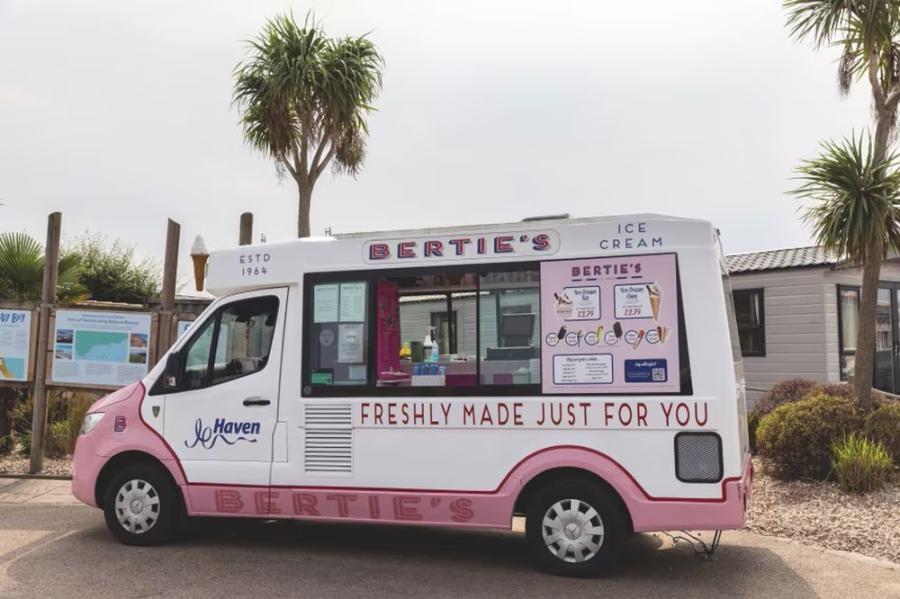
<point>632,301</point>
<point>585,303</point>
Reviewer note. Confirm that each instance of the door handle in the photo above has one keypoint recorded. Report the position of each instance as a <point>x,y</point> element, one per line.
<point>256,401</point>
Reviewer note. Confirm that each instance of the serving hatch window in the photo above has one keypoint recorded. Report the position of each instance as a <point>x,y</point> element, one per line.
<point>510,327</point>
<point>609,325</point>
<point>426,329</point>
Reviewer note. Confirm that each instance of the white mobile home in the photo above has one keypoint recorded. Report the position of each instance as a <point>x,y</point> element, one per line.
<point>797,313</point>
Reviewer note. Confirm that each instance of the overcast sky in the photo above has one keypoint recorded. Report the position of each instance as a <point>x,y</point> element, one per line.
<point>118,114</point>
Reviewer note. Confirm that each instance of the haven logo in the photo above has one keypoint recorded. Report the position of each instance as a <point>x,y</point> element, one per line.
<point>227,431</point>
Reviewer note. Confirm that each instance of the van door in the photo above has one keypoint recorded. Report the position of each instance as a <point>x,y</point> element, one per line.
<point>220,419</point>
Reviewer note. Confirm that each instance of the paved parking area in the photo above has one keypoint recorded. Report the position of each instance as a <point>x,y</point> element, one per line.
<point>23,490</point>
<point>52,546</point>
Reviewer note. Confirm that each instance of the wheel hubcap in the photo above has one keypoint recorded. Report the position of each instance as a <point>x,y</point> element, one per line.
<point>572,530</point>
<point>137,506</point>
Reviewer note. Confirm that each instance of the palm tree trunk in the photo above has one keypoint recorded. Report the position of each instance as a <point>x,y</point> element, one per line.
<point>864,366</point>
<point>305,193</point>
<point>882,134</point>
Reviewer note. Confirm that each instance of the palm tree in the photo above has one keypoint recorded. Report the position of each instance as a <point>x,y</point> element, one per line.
<point>855,212</point>
<point>304,98</point>
<point>22,270</point>
<point>868,33</point>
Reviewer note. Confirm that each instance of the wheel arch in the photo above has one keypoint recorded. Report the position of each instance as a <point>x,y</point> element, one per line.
<point>551,475</point>
<point>129,458</point>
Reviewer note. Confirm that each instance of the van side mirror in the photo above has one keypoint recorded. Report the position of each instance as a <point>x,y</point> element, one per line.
<point>172,371</point>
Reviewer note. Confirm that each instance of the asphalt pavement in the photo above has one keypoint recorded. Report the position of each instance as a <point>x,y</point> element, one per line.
<point>52,546</point>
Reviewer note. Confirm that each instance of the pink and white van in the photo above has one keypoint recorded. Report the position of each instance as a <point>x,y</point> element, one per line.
<point>584,373</point>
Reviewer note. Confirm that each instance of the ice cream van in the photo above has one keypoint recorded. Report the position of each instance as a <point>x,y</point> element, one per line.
<point>583,373</point>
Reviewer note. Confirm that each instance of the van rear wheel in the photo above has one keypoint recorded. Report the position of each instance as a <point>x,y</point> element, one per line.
<point>141,506</point>
<point>575,528</point>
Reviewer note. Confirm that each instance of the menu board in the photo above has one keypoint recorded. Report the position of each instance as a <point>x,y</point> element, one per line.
<point>350,343</point>
<point>325,303</point>
<point>100,348</point>
<point>610,325</point>
<point>353,302</point>
<point>15,341</point>
<point>338,353</point>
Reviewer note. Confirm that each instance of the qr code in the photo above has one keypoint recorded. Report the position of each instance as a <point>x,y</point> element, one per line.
<point>658,375</point>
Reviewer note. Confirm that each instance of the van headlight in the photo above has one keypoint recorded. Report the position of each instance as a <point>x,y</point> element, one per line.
<point>90,421</point>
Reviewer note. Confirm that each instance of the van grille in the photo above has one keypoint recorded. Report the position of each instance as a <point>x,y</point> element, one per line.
<point>328,438</point>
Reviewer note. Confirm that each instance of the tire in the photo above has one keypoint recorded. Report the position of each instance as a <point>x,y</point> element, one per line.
<point>575,528</point>
<point>141,505</point>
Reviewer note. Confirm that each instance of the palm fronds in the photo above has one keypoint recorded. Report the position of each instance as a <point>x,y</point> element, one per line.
<point>304,96</point>
<point>22,270</point>
<point>863,29</point>
<point>855,199</point>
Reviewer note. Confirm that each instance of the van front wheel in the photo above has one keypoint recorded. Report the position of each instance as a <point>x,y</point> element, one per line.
<point>575,528</point>
<point>140,505</point>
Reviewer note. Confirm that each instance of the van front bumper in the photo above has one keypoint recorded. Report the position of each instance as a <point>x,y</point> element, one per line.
<point>86,467</point>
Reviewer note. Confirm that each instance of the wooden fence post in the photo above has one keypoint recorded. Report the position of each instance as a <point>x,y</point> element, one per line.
<point>48,299</point>
<point>245,237</point>
<point>166,335</point>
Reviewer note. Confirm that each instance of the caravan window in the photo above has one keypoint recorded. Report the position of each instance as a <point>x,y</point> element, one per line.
<point>749,309</point>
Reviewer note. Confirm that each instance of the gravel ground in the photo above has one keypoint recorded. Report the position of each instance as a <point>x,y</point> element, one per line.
<point>821,514</point>
<point>810,512</point>
<point>18,464</point>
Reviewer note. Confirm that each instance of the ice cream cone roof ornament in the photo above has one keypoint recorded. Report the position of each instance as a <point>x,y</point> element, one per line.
<point>200,256</point>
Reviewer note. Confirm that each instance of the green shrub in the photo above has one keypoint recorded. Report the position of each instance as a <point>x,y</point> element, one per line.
<point>843,390</point>
<point>860,464</point>
<point>8,398</point>
<point>20,417</point>
<point>787,391</point>
<point>65,412</point>
<point>76,407</point>
<point>57,441</point>
<point>753,419</point>
<point>883,425</point>
<point>24,441</point>
<point>795,439</point>
<point>20,420</point>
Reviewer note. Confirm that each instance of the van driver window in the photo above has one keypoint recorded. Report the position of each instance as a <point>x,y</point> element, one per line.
<point>239,337</point>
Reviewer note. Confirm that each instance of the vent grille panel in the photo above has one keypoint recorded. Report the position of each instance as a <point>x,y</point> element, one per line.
<point>328,438</point>
<point>698,457</point>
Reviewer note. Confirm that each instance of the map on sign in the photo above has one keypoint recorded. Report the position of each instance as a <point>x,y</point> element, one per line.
<point>101,346</point>
<point>15,344</point>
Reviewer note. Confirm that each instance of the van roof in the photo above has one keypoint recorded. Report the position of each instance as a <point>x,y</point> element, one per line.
<point>282,263</point>
<point>535,223</point>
